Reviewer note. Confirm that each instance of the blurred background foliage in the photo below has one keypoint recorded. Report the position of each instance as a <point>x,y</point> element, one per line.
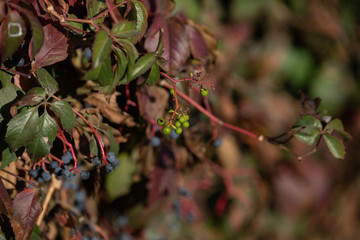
<point>268,53</point>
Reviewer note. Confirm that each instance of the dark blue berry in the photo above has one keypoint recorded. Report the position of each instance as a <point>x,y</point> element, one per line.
<point>173,134</point>
<point>54,164</point>
<point>122,220</point>
<point>217,142</point>
<point>67,157</point>
<point>109,168</point>
<point>66,173</point>
<point>87,53</point>
<point>184,192</point>
<point>111,157</point>
<point>33,173</point>
<point>84,175</point>
<point>115,163</point>
<point>46,176</point>
<point>155,141</point>
<point>97,162</point>
<point>79,206</point>
<point>57,170</point>
<point>40,180</point>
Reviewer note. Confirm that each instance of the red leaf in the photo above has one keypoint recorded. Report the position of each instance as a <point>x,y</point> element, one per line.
<point>54,48</point>
<point>5,201</point>
<point>198,45</point>
<point>176,42</point>
<point>27,208</point>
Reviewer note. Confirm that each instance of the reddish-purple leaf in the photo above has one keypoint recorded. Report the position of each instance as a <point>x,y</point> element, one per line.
<point>176,42</point>
<point>198,45</point>
<point>27,208</point>
<point>5,201</point>
<point>54,48</point>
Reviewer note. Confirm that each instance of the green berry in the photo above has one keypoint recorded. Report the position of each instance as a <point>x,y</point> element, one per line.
<point>172,91</point>
<point>186,124</point>
<point>177,124</point>
<point>178,131</point>
<point>181,119</point>
<point>204,92</point>
<point>166,130</point>
<point>160,121</point>
<point>187,117</point>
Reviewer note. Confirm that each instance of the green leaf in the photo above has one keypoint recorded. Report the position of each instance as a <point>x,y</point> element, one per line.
<point>102,48</point>
<point>139,14</point>
<point>309,138</point>
<point>337,126</point>
<point>114,146</point>
<point>125,29</point>
<point>119,181</point>
<point>105,76</point>
<point>41,144</point>
<point>22,128</point>
<point>64,111</point>
<point>35,234</point>
<point>335,146</point>
<point>75,24</point>
<point>7,95</point>
<point>47,81</point>
<point>93,74</point>
<point>94,147</point>
<point>122,63</point>
<point>142,65</point>
<point>32,97</point>
<point>308,121</point>
<point>132,55</point>
<point>154,75</point>
<point>7,158</point>
<point>94,8</point>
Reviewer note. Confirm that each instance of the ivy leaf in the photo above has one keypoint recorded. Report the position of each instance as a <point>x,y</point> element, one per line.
<point>102,48</point>
<point>27,208</point>
<point>7,158</point>
<point>54,48</point>
<point>12,33</point>
<point>139,14</point>
<point>21,128</point>
<point>154,75</point>
<point>142,65</point>
<point>64,111</point>
<point>47,81</point>
<point>125,29</point>
<point>308,120</point>
<point>41,144</point>
<point>337,126</point>
<point>335,145</point>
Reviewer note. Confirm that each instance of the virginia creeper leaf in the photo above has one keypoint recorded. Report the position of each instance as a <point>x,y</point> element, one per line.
<point>335,145</point>
<point>308,120</point>
<point>12,33</point>
<point>64,111</point>
<point>6,207</point>
<point>102,48</point>
<point>54,48</point>
<point>32,97</point>
<point>114,146</point>
<point>125,29</point>
<point>7,94</point>
<point>7,158</point>
<point>21,128</point>
<point>121,66</point>
<point>2,11</point>
<point>154,75</point>
<point>27,208</point>
<point>75,24</point>
<point>41,144</point>
<point>309,138</point>
<point>93,8</point>
<point>337,126</point>
<point>47,81</point>
<point>198,45</point>
<point>139,14</point>
<point>142,65</point>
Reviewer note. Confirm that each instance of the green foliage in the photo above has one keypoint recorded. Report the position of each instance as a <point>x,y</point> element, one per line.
<point>63,110</point>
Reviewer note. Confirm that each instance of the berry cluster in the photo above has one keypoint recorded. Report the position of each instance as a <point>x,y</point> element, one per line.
<point>181,122</point>
<point>112,162</point>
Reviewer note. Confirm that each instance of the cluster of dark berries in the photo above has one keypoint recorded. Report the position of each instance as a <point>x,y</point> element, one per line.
<point>40,174</point>
<point>112,160</point>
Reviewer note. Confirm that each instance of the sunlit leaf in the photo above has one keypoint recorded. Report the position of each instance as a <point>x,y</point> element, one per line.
<point>54,48</point>
<point>309,138</point>
<point>7,158</point>
<point>125,29</point>
<point>64,111</point>
<point>154,75</point>
<point>41,144</point>
<point>139,14</point>
<point>46,81</point>
<point>101,48</point>
<point>335,145</point>
<point>21,128</point>
<point>27,208</point>
<point>142,65</point>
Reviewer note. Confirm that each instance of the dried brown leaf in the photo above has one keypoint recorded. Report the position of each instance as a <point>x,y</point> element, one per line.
<point>5,201</point>
<point>152,101</point>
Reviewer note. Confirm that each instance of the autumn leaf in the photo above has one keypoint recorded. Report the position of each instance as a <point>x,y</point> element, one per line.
<point>27,208</point>
<point>6,207</point>
<point>54,48</point>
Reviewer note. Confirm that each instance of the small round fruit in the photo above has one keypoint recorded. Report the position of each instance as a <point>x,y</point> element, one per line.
<point>155,141</point>
<point>217,142</point>
<point>166,130</point>
<point>187,117</point>
<point>204,92</point>
<point>186,124</point>
<point>178,131</point>
<point>177,124</point>
<point>172,91</point>
<point>181,119</point>
<point>160,121</point>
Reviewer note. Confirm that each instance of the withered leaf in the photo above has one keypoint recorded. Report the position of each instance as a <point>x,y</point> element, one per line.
<point>152,101</point>
<point>5,201</point>
<point>27,208</point>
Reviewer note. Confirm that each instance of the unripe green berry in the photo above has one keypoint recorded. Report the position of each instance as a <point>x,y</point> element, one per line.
<point>178,131</point>
<point>177,124</point>
<point>204,92</point>
<point>181,119</point>
<point>172,91</point>
<point>186,117</point>
<point>166,130</point>
<point>160,121</point>
<point>186,124</point>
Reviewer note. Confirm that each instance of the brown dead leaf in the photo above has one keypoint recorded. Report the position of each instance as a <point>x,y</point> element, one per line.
<point>152,101</point>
